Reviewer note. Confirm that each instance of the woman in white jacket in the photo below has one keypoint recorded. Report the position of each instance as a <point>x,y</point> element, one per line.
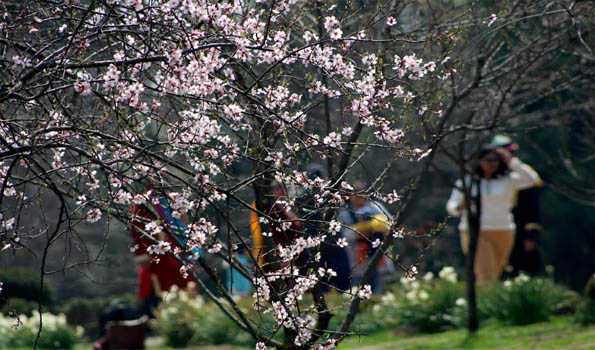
<point>501,177</point>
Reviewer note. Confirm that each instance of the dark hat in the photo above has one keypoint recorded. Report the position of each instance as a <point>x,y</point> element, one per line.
<point>487,148</point>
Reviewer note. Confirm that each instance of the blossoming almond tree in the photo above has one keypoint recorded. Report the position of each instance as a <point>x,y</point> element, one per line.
<point>104,103</point>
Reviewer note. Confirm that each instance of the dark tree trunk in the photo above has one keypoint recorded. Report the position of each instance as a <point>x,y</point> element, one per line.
<point>473,202</point>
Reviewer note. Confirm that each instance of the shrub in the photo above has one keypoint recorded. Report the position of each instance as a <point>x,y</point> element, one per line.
<point>61,337</point>
<point>375,315</point>
<point>426,305</point>
<point>176,317</point>
<point>19,306</point>
<point>82,311</point>
<point>216,328</point>
<point>185,319</point>
<point>521,301</point>
<point>431,305</point>
<point>86,312</point>
<point>585,313</point>
<point>21,332</point>
<point>19,336</point>
<point>567,301</point>
<point>23,284</point>
<point>179,336</point>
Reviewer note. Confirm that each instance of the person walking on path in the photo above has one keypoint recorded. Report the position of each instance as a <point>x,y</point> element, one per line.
<point>502,175</point>
<point>526,255</point>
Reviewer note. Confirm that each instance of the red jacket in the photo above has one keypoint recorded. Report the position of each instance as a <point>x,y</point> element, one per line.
<point>167,267</point>
<point>145,285</point>
<point>287,237</point>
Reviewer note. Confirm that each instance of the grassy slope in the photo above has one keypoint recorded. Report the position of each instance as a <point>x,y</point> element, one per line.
<point>560,334</point>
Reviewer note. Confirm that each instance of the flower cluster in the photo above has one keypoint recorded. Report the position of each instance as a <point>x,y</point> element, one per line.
<point>518,280</point>
<point>448,273</point>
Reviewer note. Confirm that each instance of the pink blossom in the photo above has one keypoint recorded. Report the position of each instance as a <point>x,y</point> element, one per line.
<point>336,34</point>
<point>334,227</point>
<point>333,140</point>
<point>493,17</point>
<point>331,23</point>
<point>365,292</point>
<point>94,215</point>
<point>376,243</point>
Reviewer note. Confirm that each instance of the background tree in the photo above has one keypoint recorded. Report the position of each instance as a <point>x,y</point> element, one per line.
<point>504,54</point>
<point>107,102</point>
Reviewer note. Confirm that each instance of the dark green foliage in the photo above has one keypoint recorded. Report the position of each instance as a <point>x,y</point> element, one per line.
<point>59,338</point>
<point>82,311</point>
<point>186,320</point>
<point>179,336</point>
<point>590,288</point>
<point>373,315</point>
<point>585,313</point>
<point>521,302</point>
<point>54,339</point>
<point>21,337</point>
<point>215,328</point>
<point>425,306</point>
<point>19,306</point>
<point>24,284</point>
<point>87,311</point>
<point>436,312</point>
<point>568,242</point>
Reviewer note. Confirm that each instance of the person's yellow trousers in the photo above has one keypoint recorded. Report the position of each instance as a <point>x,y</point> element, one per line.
<point>493,251</point>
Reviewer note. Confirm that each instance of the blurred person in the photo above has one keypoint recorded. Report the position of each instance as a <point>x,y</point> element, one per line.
<point>117,310</point>
<point>157,273</point>
<point>146,290</point>
<point>164,268</point>
<point>365,223</point>
<point>501,176</point>
<point>526,256</point>
<point>235,282</point>
<point>256,234</point>
<point>332,256</point>
<point>277,210</point>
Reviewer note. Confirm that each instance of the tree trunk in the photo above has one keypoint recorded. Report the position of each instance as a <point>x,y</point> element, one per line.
<point>474,213</point>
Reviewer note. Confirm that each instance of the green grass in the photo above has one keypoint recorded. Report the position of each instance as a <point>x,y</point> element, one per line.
<point>559,334</point>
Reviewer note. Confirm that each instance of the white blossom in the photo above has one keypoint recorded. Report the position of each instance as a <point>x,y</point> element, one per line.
<point>365,292</point>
